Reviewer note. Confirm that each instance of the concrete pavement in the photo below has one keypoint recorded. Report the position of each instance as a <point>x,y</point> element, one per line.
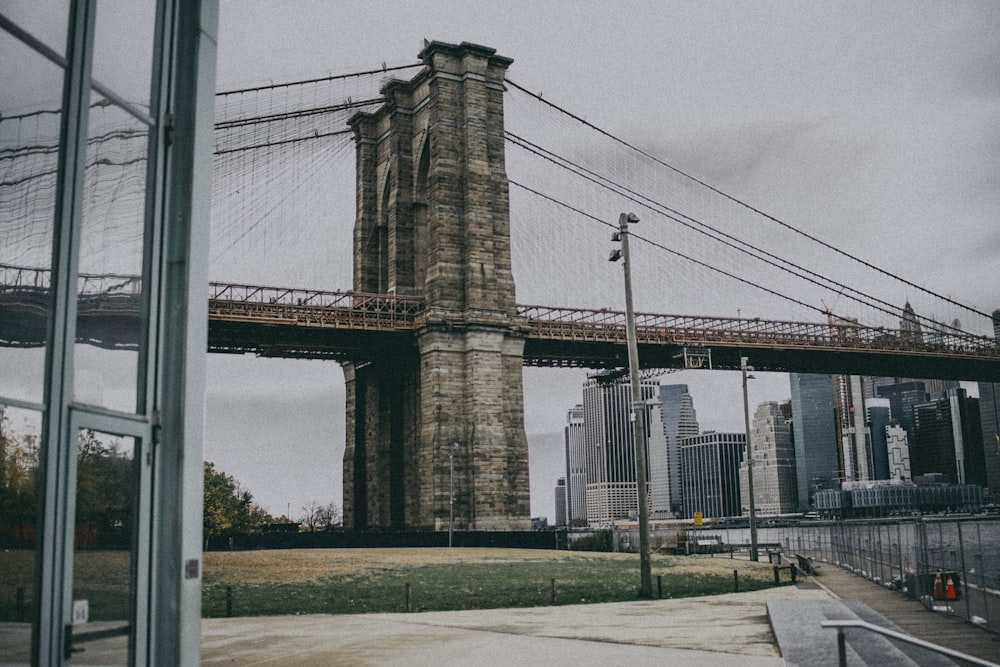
<point>718,630</point>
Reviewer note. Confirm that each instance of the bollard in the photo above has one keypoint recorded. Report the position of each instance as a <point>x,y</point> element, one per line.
<point>20,607</point>
<point>659,585</point>
<point>794,570</point>
<point>553,591</point>
<point>777,577</point>
<point>229,601</point>
<point>736,580</point>
<point>408,607</point>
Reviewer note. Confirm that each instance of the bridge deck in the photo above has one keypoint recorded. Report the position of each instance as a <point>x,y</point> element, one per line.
<point>295,323</point>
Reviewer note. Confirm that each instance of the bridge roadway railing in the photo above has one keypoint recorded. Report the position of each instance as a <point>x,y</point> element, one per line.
<point>312,308</point>
<point>609,326</point>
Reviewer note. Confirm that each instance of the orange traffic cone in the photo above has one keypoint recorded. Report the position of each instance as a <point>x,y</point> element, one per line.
<point>950,589</point>
<point>938,592</point>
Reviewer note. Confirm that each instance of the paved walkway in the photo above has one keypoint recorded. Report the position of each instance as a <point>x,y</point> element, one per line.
<point>718,631</point>
<point>910,615</point>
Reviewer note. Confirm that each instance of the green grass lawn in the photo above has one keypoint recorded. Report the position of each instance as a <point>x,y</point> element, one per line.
<point>349,581</point>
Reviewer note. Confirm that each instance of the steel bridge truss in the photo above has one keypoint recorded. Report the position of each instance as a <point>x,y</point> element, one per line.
<point>298,323</point>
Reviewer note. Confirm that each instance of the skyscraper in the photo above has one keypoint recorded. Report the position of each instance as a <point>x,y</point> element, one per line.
<point>774,471</point>
<point>813,418</point>
<point>670,420</point>
<point>898,449</point>
<point>948,440</point>
<point>855,455</point>
<point>877,417</point>
<point>909,324</point>
<point>989,419</point>
<point>710,477</point>
<point>576,467</point>
<point>610,450</point>
<point>560,493</point>
<point>902,397</point>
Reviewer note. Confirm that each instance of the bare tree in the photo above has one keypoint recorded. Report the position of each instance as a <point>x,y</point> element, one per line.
<point>320,517</point>
<point>310,515</point>
<point>329,516</point>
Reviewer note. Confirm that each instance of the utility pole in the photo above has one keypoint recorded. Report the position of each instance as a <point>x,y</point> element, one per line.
<point>746,421</point>
<point>638,408</point>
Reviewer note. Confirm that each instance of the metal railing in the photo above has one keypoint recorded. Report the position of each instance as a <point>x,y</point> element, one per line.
<point>604,325</point>
<point>950,564</point>
<point>898,636</point>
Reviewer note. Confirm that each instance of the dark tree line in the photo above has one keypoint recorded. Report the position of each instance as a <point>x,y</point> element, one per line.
<point>105,489</point>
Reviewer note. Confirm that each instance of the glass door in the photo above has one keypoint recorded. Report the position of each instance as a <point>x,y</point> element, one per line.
<point>108,548</point>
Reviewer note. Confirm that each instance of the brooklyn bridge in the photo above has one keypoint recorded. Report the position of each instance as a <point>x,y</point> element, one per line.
<point>451,205</point>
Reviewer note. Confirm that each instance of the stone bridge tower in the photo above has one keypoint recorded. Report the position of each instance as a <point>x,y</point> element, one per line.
<point>445,415</point>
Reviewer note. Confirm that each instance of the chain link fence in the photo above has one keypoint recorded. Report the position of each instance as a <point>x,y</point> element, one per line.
<point>952,565</point>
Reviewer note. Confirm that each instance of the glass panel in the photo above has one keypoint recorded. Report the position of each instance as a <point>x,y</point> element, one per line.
<point>19,438</point>
<point>108,310</point>
<point>102,549</point>
<point>30,97</point>
<point>123,48</point>
<point>46,20</point>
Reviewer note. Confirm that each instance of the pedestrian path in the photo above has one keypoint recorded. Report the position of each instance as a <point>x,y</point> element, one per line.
<point>717,631</point>
<point>910,615</point>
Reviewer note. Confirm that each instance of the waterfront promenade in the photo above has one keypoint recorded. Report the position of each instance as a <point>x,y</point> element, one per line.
<point>910,615</point>
<point>720,630</point>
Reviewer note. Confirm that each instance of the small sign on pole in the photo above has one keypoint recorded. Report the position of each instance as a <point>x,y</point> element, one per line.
<point>81,612</point>
<point>698,520</point>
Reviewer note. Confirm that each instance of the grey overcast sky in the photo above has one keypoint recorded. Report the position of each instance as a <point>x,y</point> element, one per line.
<point>875,125</point>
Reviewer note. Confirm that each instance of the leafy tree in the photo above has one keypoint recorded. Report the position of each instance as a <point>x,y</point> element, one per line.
<point>18,484</point>
<point>229,508</point>
<point>104,491</point>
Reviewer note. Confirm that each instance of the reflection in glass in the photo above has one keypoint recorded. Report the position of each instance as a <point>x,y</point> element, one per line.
<point>109,322</point>
<point>123,49</point>
<point>105,517</point>
<point>29,152</point>
<point>19,440</point>
<point>45,20</point>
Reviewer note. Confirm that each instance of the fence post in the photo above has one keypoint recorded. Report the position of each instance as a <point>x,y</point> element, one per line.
<point>982,575</point>
<point>965,573</point>
<point>659,586</point>
<point>20,607</point>
<point>736,580</point>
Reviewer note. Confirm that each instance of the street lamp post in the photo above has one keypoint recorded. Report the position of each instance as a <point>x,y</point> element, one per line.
<point>638,408</point>
<point>746,422</point>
